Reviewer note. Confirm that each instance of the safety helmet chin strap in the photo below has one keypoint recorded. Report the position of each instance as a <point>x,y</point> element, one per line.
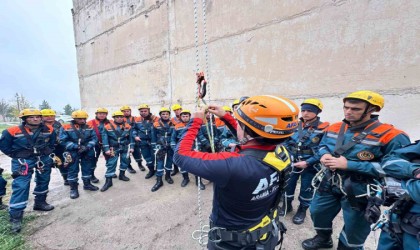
<point>369,108</point>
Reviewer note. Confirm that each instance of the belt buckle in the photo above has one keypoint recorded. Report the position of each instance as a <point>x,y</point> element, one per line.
<point>215,234</point>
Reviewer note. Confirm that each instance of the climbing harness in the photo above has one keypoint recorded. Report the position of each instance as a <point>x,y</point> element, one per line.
<point>67,159</point>
<point>23,169</point>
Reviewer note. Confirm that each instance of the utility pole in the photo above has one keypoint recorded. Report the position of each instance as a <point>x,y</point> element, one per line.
<point>17,101</point>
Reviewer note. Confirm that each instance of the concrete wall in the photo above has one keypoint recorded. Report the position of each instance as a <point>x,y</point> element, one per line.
<point>136,51</point>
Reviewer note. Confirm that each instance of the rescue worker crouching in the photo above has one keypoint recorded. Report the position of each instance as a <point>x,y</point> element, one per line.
<point>78,138</point>
<point>403,229</point>
<point>142,133</point>
<point>303,145</point>
<point>30,146</point>
<point>117,143</point>
<point>248,183</point>
<point>176,135</point>
<point>177,109</point>
<point>48,118</point>
<point>161,139</point>
<point>98,125</point>
<point>131,120</point>
<point>351,152</point>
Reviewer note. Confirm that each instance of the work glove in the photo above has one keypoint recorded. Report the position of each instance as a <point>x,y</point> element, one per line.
<point>373,210</point>
<point>82,149</point>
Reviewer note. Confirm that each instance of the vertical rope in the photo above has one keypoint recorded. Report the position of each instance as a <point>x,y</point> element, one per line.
<point>197,63</point>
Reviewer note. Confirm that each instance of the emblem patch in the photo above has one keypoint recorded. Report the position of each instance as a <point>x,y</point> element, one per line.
<point>365,155</point>
<point>315,139</point>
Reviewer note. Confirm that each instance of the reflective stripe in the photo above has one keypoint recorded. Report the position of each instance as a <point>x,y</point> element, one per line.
<point>160,170</point>
<point>85,176</point>
<point>379,169</point>
<point>18,204</point>
<point>71,179</point>
<point>43,192</point>
<point>393,162</point>
<point>283,101</point>
<point>322,228</point>
<point>290,195</point>
<point>367,142</point>
<point>347,242</point>
<point>305,199</point>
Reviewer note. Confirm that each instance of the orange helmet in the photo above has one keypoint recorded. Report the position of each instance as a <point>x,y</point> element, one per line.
<point>271,117</point>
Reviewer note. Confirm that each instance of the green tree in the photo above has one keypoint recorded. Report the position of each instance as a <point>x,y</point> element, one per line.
<point>4,109</point>
<point>44,105</point>
<point>68,109</point>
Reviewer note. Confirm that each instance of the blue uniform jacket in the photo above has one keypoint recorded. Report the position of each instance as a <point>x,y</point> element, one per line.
<point>161,133</point>
<point>13,142</point>
<point>399,164</point>
<point>143,128</point>
<point>70,139</point>
<point>309,137</point>
<point>203,137</point>
<point>364,158</point>
<point>117,136</point>
<point>244,187</point>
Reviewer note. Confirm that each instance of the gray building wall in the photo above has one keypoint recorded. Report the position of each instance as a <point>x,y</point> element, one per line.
<point>142,51</point>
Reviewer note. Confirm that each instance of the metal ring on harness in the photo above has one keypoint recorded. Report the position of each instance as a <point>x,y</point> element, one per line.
<point>217,233</point>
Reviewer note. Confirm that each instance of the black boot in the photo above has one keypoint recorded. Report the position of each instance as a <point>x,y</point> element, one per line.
<point>115,176</point>
<point>150,174</point>
<point>122,176</point>
<point>158,184</point>
<point>2,206</point>
<point>41,203</point>
<point>289,208</point>
<point>175,171</point>
<point>88,186</point>
<point>93,179</point>
<point>141,167</point>
<point>202,187</point>
<point>74,191</point>
<point>300,215</point>
<point>168,177</point>
<point>108,184</point>
<point>66,182</point>
<point>322,239</point>
<point>186,180</point>
<point>16,221</point>
<point>131,170</point>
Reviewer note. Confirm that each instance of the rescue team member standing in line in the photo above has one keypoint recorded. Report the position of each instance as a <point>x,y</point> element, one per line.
<point>48,118</point>
<point>142,133</point>
<point>98,125</point>
<point>228,139</point>
<point>29,145</point>
<point>161,143</point>
<point>131,120</point>
<point>175,120</point>
<point>403,231</point>
<point>78,138</point>
<point>351,151</point>
<point>248,183</point>
<point>303,145</point>
<point>118,142</point>
<point>176,135</point>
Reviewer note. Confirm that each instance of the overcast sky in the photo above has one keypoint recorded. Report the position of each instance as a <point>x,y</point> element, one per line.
<point>37,52</point>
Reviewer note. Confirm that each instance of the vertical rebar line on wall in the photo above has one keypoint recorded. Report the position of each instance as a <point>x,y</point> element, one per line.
<point>168,50</point>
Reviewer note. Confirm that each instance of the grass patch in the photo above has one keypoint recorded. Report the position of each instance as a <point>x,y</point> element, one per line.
<point>9,240</point>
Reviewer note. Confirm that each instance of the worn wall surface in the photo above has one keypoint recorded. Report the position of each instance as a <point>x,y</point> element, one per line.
<point>135,51</point>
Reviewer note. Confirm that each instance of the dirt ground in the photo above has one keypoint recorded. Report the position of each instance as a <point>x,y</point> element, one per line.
<point>130,216</point>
